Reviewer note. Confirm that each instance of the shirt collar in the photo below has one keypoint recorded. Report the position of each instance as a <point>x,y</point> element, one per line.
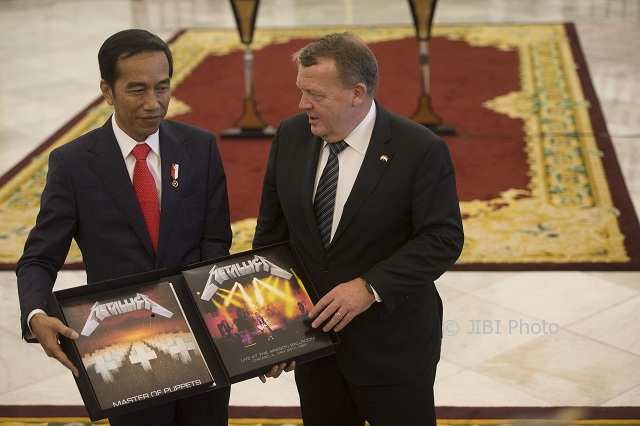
<point>359,137</point>
<point>127,143</point>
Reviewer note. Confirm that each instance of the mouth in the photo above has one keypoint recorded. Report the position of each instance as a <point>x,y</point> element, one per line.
<point>151,118</point>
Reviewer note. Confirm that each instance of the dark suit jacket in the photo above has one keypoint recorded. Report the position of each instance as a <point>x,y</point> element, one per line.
<point>400,230</point>
<point>89,197</point>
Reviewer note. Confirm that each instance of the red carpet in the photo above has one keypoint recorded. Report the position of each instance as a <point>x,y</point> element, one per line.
<point>489,150</point>
<point>467,76</point>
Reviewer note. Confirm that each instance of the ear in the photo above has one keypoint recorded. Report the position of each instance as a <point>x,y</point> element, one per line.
<point>107,92</point>
<point>359,94</point>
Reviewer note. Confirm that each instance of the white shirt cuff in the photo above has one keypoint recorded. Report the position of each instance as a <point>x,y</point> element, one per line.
<point>31,315</point>
<point>375,294</point>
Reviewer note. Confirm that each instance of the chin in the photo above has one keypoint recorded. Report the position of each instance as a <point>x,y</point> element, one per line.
<point>152,129</point>
<point>318,131</point>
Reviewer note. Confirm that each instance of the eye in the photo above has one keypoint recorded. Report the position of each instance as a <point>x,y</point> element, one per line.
<point>316,96</point>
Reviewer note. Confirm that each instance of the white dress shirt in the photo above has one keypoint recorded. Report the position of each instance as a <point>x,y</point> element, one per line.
<point>349,163</point>
<point>126,144</point>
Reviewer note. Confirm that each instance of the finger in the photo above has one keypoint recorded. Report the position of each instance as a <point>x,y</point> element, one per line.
<point>325,314</point>
<point>262,378</point>
<point>322,303</point>
<point>62,358</point>
<point>278,373</point>
<point>49,343</point>
<point>69,333</point>
<point>291,366</point>
<point>63,330</point>
<point>335,319</point>
<point>344,322</point>
<point>272,371</point>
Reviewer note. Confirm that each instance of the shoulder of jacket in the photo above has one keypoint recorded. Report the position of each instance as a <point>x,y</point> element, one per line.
<point>79,144</point>
<point>413,135</point>
<point>188,132</point>
<point>298,123</point>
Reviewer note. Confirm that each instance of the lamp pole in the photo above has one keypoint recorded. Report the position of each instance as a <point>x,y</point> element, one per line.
<point>250,124</point>
<point>422,12</point>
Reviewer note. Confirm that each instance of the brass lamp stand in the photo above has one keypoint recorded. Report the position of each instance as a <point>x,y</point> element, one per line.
<point>250,124</point>
<point>422,12</point>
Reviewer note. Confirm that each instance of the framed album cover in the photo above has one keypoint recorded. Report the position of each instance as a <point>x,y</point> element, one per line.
<point>150,338</point>
<point>255,308</point>
<point>136,347</point>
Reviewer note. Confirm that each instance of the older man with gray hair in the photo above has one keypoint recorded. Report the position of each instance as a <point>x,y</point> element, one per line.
<point>368,200</point>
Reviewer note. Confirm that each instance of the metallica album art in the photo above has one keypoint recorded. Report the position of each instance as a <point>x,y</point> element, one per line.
<point>136,345</point>
<point>255,306</point>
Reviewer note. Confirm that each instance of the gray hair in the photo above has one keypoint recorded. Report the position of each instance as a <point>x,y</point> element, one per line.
<point>355,62</point>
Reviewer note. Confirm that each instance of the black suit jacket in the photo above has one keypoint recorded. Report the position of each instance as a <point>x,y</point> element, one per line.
<point>400,230</point>
<point>89,197</point>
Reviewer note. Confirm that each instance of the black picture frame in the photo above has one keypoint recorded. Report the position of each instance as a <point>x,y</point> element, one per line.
<point>96,395</point>
<point>292,347</point>
<point>115,300</point>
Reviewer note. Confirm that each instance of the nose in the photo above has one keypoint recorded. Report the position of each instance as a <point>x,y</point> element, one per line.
<point>150,101</point>
<point>304,103</point>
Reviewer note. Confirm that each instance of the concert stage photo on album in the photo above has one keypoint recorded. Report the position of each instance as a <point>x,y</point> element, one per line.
<point>255,305</point>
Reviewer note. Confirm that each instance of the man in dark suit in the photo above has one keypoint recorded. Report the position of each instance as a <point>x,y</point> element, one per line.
<point>368,201</point>
<point>137,194</point>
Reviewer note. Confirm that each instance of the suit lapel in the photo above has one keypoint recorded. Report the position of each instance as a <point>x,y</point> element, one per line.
<point>309,154</point>
<point>109,165</point>
<point>371,171</point>
<point>171,152</point>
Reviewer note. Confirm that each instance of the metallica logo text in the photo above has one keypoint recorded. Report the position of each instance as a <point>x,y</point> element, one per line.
<point>219,274</point>
<point>139,302</point>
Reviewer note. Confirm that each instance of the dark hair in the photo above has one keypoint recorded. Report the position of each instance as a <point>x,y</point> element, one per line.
<point>127,43</point>
<point>355,62</point>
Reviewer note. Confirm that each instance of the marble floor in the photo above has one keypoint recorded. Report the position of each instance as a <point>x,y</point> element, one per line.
<point>511,339</point>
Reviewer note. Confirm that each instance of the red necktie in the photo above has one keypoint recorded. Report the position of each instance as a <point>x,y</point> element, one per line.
<point>145,188</point>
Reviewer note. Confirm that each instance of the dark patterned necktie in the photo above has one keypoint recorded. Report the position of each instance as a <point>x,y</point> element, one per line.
<point>325,198</point>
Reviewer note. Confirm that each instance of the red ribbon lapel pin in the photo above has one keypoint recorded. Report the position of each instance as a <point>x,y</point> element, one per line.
<point>175,168</point>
